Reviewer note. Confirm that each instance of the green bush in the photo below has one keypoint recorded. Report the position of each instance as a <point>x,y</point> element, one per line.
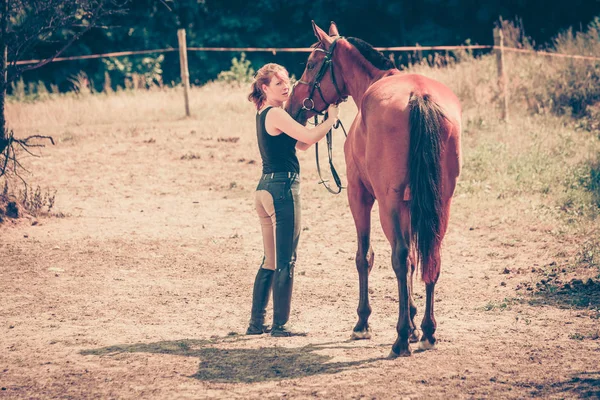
<point>141,74</point>
<point>241,72</point>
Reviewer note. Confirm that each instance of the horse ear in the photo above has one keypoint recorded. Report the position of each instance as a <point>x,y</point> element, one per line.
<point>321,35</point>
<point>333,31</point>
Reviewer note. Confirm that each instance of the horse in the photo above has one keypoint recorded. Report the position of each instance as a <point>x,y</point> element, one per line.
<point>403,150</point>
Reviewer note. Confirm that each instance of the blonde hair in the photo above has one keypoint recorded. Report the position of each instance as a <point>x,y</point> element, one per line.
<point>263,77</point>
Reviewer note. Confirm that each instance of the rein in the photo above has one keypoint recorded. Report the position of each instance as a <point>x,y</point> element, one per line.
<point>334,174</point>
<point>308,104</point>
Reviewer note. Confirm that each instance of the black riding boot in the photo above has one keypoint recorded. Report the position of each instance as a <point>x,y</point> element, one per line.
<point>282,298</point>
<point>260,299</point>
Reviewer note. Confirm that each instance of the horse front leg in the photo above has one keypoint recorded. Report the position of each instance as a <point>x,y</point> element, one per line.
<point>361,204</point>
<point>364,263</point>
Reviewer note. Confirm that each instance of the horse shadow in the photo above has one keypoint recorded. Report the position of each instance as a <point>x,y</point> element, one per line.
<point>231,364</point>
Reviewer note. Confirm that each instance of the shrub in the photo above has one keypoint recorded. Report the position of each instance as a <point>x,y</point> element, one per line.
<point>141,74</point>
<point>241,72</point>
<point>35,202</point>
<point>564,86</point>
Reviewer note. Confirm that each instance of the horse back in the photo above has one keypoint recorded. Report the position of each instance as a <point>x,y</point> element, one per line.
<point>390,95</point>
<point>380,135</point>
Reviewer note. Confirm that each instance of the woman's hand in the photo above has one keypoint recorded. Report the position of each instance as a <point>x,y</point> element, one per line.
<point>333,111</point>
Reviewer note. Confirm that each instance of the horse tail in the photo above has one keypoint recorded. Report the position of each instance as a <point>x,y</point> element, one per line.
<point>426,122</point>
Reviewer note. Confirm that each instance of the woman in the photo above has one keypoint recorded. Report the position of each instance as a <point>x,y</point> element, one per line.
<point>277,195</point>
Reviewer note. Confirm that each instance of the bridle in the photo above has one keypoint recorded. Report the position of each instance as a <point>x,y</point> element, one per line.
<point>316,85</point>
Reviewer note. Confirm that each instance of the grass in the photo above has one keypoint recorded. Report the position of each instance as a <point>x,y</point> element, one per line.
<point>126,106</point>
<point>503,305</point>
<point>592,335</point>
<point>30,200</point>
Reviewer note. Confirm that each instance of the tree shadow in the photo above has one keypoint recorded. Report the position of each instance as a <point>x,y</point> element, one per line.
<point>575,294</point>
<point>584,385</point>
<point>218,364</point>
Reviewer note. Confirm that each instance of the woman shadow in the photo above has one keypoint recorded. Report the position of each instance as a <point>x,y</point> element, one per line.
<point>219,363</point>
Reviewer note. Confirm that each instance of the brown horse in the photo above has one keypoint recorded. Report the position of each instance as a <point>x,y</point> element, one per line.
<point>403,149</point>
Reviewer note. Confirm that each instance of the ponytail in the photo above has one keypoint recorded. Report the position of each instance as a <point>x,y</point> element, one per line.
<point>256,96</point>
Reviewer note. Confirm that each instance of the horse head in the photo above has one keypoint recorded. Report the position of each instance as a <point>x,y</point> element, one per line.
<point>321,83</point>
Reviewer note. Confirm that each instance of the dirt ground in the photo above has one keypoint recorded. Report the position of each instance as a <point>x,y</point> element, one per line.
<point>142,288</point>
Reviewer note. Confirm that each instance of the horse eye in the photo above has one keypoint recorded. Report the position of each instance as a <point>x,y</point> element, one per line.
<point>309,66</point>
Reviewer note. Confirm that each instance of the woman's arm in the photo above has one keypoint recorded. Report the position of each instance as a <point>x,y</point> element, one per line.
<point>302,146</point>
<point>280,121</point>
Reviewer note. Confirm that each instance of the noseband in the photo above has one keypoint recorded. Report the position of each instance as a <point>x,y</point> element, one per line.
<point>308,103</point>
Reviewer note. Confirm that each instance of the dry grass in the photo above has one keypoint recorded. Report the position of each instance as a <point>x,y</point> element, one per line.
<point>474,81</point>
<point>536,84</point>
<point>127,107</point>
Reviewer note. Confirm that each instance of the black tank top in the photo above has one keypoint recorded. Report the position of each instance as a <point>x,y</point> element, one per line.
<point>278,153</point>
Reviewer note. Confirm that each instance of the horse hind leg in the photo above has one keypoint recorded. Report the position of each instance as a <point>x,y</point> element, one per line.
<point>361,204</point>
<point>414,334</point>
<point>429,325</point>
<point>397,228</point>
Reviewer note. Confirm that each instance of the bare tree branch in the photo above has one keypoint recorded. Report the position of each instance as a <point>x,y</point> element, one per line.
<point>58,53</point>
<point>47,17</point>
<point>25,24</point>
<point>9,153</point>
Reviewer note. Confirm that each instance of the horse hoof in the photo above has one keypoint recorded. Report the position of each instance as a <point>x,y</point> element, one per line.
<point>425,344</point>
<point>405,353</point>
<point>361,335</point>
<point>414,336</point>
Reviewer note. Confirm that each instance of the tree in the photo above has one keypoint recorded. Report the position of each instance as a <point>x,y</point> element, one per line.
<point>45,28</point>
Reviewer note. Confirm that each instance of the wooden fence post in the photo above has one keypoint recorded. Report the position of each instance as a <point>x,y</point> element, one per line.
<point>502,82</point>
<point>3,72</point>
<point>185,72</point>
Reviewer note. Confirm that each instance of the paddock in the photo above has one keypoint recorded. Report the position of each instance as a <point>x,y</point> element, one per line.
<point>139,283</point>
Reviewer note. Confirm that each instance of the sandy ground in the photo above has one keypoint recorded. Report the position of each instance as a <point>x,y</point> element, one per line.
<point>143,289</point>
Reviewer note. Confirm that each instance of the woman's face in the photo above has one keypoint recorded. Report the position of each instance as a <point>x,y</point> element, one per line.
<point>278,89</point>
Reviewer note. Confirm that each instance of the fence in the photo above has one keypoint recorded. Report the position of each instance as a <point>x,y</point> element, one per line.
<point>498,48</point>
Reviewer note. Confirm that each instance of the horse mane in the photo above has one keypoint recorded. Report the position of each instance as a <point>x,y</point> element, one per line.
<point>373,56</point>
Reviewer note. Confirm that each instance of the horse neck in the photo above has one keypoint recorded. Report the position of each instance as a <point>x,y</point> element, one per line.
<point>358,74</point>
